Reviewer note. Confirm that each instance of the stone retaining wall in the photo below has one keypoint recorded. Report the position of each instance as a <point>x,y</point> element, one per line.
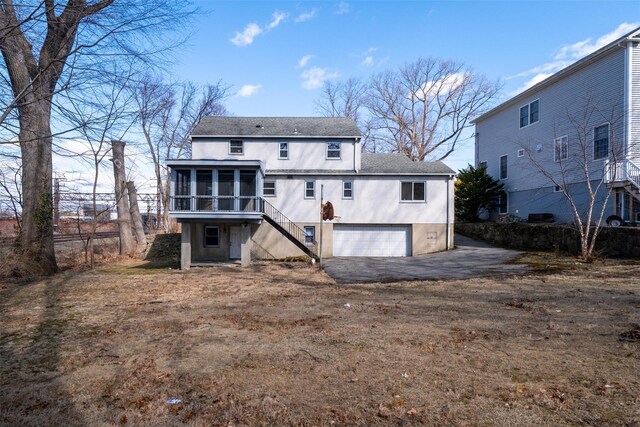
<point>621,242</point>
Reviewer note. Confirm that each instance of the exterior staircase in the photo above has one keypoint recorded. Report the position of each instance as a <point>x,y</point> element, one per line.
<point>289,229</point>
<point>624,174</point>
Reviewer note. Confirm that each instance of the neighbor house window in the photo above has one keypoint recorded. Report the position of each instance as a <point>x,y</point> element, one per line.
<point>309,235</point>
<point>333,150</point>
<point>347,189</point>
<point>211,237</point>
<point>530,113</point>
<point>236,147</point>
<point>561,148</point>
<point>521,152</point>
<point>269,189</point>
<point>601,142</point>
<point>412,191</point>
<point>503,203</point>
<point>283,150</point>
<point>557,189</point>
<point>503,167</point>
<point>309,189</point>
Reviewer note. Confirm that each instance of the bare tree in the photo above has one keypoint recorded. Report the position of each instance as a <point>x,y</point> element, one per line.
<point>577,169</point>
<point>45,47</point>
<point>422,109</point>
<point>168,113</point>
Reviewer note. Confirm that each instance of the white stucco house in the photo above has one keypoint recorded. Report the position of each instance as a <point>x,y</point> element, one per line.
<point>253,188</point>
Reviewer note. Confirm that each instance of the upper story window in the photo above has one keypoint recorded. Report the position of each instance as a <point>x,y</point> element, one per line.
<point>561,148</point>
<point>283,150</point>
<point>601,142</point>
<point>236,146</point>
<point>269,189</point>
<point>347,189</point>
<point>412,191</point>
<point>530,113</point>
<point>503,167</point>
<point>309,189</point>
<point>333,150</point>
<point>521,152</point>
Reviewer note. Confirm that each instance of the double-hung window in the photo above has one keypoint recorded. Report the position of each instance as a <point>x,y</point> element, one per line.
<point>212,237</point>
<point>269,189</point>
<point>283,150</point>
<point>412,191</point>
<point>503,167</point>
<point>236,146</point>
<point>601,142</point>
<point>309,235</point>
<point>530,113</point>
<point>561,148</point>
<point>309,189</point>
<point>347,189</point>
<point>333,150</point>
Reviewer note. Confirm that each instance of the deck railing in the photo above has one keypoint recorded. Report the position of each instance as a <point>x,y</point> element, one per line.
<point>212,204</point>
<point>621,171</point>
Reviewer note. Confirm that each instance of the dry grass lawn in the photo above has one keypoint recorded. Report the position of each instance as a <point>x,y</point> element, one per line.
<point>276,344</point>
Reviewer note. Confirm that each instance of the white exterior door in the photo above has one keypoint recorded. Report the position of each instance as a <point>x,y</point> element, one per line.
<point>234,243</point>
<point>371,240</point>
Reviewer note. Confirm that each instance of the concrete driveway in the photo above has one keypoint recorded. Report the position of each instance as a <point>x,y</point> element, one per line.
<point>471,259</point>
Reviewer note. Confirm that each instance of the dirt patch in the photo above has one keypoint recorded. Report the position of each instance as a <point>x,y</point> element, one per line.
<point>282,344</point>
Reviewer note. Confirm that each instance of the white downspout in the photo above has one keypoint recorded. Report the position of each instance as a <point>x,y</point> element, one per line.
<point>448,239</point>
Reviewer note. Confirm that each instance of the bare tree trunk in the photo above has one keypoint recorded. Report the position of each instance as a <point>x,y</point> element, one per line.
<point>136,218</point>
<point>36,237</point>
<point>127,246</point>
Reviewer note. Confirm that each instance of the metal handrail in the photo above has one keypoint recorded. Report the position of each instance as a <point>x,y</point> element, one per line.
<point>289,226</point>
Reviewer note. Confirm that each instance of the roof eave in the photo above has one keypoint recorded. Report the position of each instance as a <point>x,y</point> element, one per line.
<point>278,136</point>
<point>576,66</point>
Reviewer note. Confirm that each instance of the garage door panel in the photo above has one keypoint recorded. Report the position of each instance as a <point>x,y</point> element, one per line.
<point>380,240</point>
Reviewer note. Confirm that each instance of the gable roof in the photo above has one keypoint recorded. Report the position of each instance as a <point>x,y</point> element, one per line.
<point>632,36</point>
<point>283,127</point>
<point>396,163</point>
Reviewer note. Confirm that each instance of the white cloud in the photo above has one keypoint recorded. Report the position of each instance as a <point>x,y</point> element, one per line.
<point>568,54</point>
<point>315,77</point>
<point>304,61</point>
<point>367,61</point>
<point>441,86</point>
<point>250,32</point>
<point>306,16</point>
<point>278,17</point>
<point>253,30</point>
<point>248,90</point>
<point>343,8</point>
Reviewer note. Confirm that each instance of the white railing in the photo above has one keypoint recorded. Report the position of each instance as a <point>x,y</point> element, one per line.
<point>621,171</point>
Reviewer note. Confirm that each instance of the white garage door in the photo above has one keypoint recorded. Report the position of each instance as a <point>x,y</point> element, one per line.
<point>370,240</point>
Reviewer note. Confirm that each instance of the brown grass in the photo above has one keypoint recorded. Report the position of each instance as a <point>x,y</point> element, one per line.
<point>274,344</point>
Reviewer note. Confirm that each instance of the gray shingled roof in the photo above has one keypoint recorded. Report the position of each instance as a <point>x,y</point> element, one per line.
<point>400,164</point>
<point>289,127</point>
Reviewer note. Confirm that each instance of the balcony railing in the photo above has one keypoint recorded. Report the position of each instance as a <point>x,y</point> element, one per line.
<point>216,204</point>
<point>622,171</point>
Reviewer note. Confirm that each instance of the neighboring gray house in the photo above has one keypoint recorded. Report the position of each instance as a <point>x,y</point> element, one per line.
<point>253,189</point>
<point>584,117</point>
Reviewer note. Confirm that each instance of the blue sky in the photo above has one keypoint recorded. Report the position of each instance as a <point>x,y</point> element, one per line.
<point>277,54</point>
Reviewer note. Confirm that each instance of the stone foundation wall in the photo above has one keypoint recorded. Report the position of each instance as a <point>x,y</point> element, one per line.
<point>620,242</point>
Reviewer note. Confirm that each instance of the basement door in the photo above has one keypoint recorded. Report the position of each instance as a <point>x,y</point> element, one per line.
<point>234,242</point>
<point>371,240</point>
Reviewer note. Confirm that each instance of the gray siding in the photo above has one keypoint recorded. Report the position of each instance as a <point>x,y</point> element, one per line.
<point>589,97</point>
<point>634,143</point>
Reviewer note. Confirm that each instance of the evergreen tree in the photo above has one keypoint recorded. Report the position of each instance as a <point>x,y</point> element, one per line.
<point>475,191</point>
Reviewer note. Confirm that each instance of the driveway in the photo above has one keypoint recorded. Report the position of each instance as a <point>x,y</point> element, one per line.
<point>471,259</point>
